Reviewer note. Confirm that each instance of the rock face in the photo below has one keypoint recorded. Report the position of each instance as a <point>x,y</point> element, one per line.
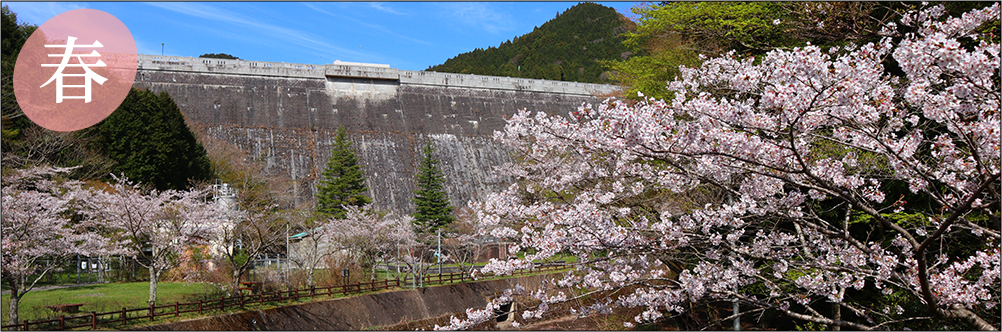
<point>285,116</point>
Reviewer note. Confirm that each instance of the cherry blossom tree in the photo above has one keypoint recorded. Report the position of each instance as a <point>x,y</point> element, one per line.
<point>157,226</point>
<point>312,245</point>
<point>250,234</point>
<point>40,233</point>
<point>369,237</point>
<point>465,241</point>
<point>849,196</point>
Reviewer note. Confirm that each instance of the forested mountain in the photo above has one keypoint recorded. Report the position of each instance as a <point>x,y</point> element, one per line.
<point>571,47</point>
<point>673,33</point>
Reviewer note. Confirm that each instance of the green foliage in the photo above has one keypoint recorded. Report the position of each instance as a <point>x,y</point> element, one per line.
<point>730,25</point>
<point>810,326</point>
<point>676,33</point>
<point>218,56</point>
<point>150,143</point>
<point>240,257</point>
<point>650,72</point>
<point>571,47</point>
<point>907,220</point>
<point>433,208</point>
<point>670,34</point>
<point>343,181</point>
<point>14,35</point>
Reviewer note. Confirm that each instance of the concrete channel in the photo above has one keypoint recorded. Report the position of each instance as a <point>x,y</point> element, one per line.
<point>363,311</point>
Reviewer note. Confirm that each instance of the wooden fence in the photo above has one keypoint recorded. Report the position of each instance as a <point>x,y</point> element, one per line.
<point>121,318</point>
<point>445,278</point>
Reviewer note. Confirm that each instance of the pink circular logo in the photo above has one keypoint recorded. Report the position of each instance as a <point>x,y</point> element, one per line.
<point>75,70</point>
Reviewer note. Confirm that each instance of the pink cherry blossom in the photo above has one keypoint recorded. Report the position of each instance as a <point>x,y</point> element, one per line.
<point>732,172</point>
<point>38,234</point>
<point>157,225</point>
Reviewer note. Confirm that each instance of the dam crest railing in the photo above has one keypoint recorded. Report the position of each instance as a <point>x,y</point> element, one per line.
<point>367,71</point>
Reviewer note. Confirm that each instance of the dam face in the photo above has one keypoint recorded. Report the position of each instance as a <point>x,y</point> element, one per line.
<point>285,116</point>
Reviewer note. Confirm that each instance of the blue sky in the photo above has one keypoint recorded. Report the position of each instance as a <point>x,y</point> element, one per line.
<point>405,35</point>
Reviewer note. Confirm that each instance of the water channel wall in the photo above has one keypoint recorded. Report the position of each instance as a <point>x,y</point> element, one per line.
<point>363,311</point>
<point>285,116</point>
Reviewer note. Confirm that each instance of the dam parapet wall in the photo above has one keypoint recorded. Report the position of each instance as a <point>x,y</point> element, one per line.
<point>367,71</point>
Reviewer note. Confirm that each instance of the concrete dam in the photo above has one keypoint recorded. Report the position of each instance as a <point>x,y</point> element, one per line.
<point>285,115</point>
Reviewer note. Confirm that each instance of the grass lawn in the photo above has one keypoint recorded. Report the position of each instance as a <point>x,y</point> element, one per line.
<point>105,297</point>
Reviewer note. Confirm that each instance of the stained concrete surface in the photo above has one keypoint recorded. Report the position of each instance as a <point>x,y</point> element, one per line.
<point>288,124</point>
<point>364,311</point>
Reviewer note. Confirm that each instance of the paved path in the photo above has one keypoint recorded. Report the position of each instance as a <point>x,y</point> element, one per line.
<point>37,288</point>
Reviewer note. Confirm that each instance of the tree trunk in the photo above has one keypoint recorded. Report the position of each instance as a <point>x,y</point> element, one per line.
<point>101,261</point>
<point>154,278</point>
<point>836,315</point>
<point>309,277</point>
<point>236,278</point>
<point>15,298</point>
<point>837,310</point>
<point>419,274</point>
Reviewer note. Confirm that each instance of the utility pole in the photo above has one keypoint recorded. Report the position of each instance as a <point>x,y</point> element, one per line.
<point>286,265</point>
<point>439,253</point>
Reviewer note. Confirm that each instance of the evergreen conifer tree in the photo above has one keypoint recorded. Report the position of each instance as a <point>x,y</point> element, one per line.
<point>150,143</point>
<point>343,182</point>
<point>433,208</point>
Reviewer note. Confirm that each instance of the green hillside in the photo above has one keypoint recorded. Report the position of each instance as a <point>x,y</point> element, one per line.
<point>568,48</point>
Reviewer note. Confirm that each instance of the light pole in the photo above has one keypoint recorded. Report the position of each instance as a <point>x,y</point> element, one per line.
<point>161,49</point>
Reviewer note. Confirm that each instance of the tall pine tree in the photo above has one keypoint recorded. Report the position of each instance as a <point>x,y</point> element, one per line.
<point>343,182</point>
<point>433,208</point>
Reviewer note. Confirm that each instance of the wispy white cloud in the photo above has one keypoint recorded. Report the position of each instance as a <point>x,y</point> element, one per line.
<point>272,32</point>
<point>379,6</point>
<point>146,48</point>
<point>479,15</point>
<point>370,26</point>
<point>37,13</point>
